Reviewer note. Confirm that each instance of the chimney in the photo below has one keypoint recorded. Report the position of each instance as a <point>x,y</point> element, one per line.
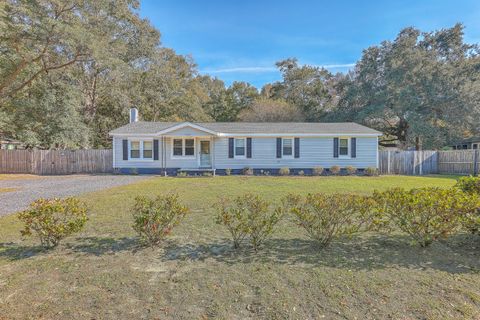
<point>133,115</point>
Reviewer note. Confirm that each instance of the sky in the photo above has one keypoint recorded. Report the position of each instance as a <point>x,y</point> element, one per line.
<point>242,40</point>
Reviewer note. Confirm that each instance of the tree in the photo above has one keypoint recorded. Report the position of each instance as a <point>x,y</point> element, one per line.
<point>423,84</point>
<point>308,87</point>
<point>271,110</point>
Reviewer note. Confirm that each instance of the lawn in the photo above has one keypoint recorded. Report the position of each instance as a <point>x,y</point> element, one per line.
<point>102,273</point>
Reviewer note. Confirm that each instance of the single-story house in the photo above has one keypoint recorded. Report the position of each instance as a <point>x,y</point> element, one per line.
<point>170,147</point>
<point>10,144</point>
<point>469,143</point>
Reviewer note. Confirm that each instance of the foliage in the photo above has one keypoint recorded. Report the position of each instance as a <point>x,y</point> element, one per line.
<point>351,170</point>
<point>248,216</point>
<point>154,219</point>
<point>182,174</point>
<point>422,84</point>
<point>271,110</point>
<point>371,171</point>
<point>284,171</point>
<point>335,170</point>
<point>426,214</point>
<point>247,171</point>
<point>317,171</point>
<point>51,220</point>
<point>328,216</point>
<point>228,171</point>
<point>301,173</point>
<point>469,184</point>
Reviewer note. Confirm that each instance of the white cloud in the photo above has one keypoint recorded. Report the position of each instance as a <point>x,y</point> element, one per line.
<point>260,69</point>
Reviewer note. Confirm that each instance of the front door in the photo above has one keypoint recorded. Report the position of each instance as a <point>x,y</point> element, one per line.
<point>205,158</point>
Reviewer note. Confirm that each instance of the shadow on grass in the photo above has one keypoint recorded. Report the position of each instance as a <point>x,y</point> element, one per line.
<point>460,254</point>
<point>99,246</point>
<point>12,251</point>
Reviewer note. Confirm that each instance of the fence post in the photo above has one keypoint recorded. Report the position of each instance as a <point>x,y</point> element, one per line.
<point>475,162</point>
<point>388,162</point>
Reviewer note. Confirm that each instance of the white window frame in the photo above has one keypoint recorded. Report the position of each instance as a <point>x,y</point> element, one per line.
<point>349,148</point>
<point>244,156</point>
<point>140,141</point>
<point>287,156</point>
<point>183,156</point>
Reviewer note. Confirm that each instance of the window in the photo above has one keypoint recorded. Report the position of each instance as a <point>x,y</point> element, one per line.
<point>240,147</point>
<point>177,147</point>
<point>184,147</point>
<point>189,147</point>
<point>135,149</point>
<point>147,149</point>
<point>287,147</point>
<point>141,150</point>
<point>343,147</point>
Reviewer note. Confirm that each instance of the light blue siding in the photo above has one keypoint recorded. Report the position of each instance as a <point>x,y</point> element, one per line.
<point>314,151</point>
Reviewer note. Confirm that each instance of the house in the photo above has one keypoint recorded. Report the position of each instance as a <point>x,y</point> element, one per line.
<point>470,143</point>
<point>10,144</point>
<point>170,147</point>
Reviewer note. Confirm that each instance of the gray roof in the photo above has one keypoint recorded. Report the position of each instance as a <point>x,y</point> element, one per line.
<point>346,128</point>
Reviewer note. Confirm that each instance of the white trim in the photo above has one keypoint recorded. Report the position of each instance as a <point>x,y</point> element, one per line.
<point>328,135</point>
<point>199,161</point>
<point>378,163</point>
<point>349,148</point>
<point>141,158</point>
<point>244,156</point>
<point>186,124</point>
<point>113,152</point>
<point>289,156</point>
<point>183,156</point>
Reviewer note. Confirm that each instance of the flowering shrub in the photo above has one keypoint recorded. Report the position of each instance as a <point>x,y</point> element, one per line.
<point>51,220</point>
<point>248,216</point>
<point>154,219</point>
<point>426,214</point>
<point>248,171</point>
<point>351,170</point>
<point>284,171</point>
<point>371,171</point>
<point>328,216</point>
<point>335,170</point>
<point>228,171</point>
<point>317,171</point>
<point>469,184</point>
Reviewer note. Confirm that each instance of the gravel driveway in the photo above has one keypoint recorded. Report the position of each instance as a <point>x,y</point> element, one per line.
<point>28,190</point>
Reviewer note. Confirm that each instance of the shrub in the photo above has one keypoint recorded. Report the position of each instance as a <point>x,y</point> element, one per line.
<point>317,171</point>
<point>328,216</point>
<point>351,170</point>
<point>248,216</point>
<point>371,171</point>
<point>51,220</point>
<point>248,171</point>
<point>207,174</point>
<point>154,219</point>
<point>426,214</point>
<point>228,171</point>
<point>134,171</point>
<point>284,171</point>
<point>182,174</point>
<point>301,173</point>
<point>335,170</point>
<point>469,184</point>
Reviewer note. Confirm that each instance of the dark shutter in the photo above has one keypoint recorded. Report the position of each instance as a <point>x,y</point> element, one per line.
<point>335,147</point>
<point>125,149</point>
<point>354,147</point>
<point>279,147</point>
<point>230,147</point>
<point>297,147</point>
<point>155,149</point>
<point>249,147</point>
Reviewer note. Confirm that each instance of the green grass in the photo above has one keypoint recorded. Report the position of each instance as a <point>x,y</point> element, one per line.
<point>102,273</point>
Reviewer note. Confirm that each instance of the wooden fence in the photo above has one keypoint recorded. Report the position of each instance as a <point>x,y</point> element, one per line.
<point>100,161</point>
<point>429,162</point>
<point>56,161</point>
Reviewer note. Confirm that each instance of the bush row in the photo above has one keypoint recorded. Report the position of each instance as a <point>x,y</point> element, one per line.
<point>425,214</point>
<point>316,171</point>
